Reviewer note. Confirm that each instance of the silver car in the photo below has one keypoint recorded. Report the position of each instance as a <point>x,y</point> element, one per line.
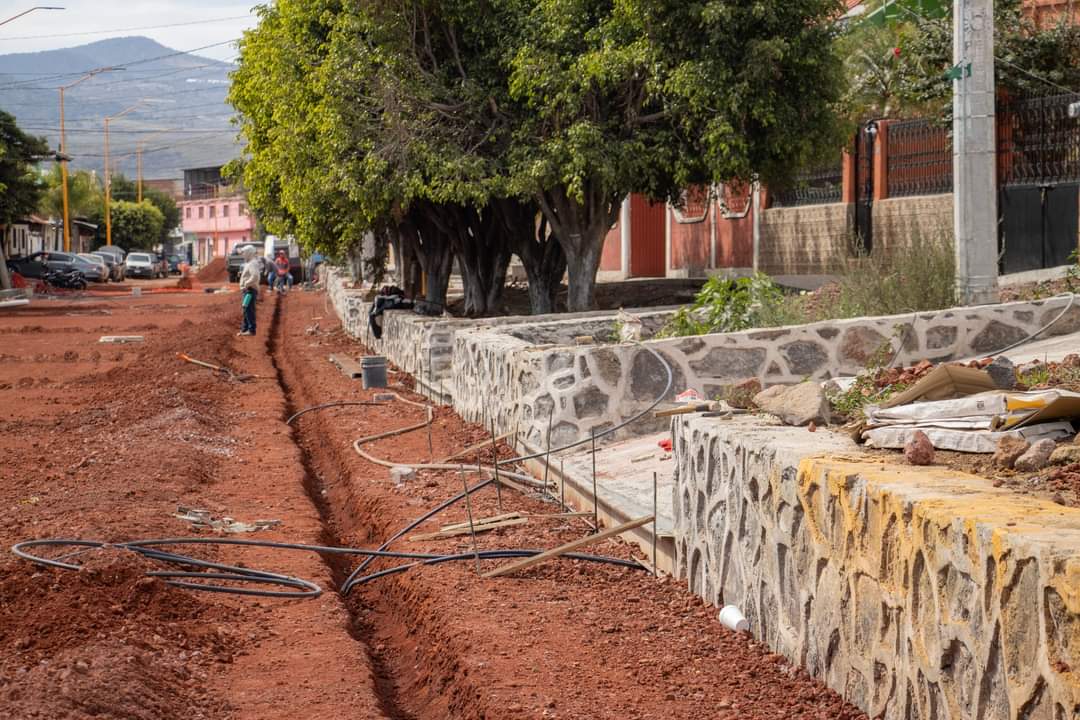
<point>103,271</point>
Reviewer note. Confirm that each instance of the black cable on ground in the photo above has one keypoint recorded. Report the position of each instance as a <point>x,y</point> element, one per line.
<point>350,581</point>
<point>211,574</point>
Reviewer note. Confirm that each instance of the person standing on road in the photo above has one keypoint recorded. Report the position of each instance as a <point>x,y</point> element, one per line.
<point>249,290</point>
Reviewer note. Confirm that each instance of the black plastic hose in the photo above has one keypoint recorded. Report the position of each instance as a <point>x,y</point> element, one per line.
<point>211,574</point>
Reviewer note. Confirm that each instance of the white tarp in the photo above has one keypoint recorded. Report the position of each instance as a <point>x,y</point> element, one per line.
<point>973,441</point>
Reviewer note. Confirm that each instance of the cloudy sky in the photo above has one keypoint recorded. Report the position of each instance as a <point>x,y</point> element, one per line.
<point>84,21</point>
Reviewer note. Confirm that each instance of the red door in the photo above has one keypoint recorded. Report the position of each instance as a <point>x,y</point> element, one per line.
<point>648,233</point>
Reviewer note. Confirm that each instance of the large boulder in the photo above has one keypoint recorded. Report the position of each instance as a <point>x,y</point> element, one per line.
<point>919,450</point>
<point>795,404</point>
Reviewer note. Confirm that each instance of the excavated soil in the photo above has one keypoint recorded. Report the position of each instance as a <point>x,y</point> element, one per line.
<point>215,271</point>
<point>105,441</point>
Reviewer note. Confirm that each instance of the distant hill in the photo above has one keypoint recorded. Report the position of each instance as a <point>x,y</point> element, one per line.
<point>183,121</point>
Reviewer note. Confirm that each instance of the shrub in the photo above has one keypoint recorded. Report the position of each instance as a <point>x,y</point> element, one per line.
<point>726,305</point>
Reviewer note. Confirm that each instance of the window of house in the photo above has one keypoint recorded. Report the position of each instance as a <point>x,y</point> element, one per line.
<point>225,210</point>
<point>213,210</point>
<point>200,211</point>
<point>187,212</point>
<point>243,209</point>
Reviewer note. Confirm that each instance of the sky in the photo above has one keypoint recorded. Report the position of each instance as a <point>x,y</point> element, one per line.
<point>84,21</point>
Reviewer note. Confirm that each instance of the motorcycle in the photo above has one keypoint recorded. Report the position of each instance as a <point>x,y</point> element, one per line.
<point>64,279</point>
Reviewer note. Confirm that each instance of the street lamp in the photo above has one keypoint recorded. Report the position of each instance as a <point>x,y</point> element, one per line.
<point>27,12</point>
<point>63,150</point>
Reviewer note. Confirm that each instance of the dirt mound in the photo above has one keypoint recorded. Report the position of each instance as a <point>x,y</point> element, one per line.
<point>216,271</point>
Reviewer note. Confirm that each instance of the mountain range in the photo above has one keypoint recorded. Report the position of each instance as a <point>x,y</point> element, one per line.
<point>180,118</point>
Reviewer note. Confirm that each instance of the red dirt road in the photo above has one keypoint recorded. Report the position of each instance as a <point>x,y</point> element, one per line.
<point>104,441</point>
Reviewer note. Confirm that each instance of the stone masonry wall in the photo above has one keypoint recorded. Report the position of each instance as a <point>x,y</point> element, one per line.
<point>595,386</point>
<point>806,240</point>
<point>917,593</point>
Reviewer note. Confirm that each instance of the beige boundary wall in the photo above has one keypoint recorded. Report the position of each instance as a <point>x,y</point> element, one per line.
<point>813,239</point>
<point>917,593</point>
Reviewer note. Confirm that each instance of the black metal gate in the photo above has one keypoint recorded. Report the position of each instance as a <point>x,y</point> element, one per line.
<point>864,186</point>
<point>1039,182</point>
<point>1038,226</point>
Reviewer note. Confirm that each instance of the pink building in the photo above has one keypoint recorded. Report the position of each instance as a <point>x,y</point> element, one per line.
<point>214,215</point>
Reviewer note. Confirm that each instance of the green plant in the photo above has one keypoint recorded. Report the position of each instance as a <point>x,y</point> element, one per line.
<point>1072,275</point>
<point>726,305</point>
<point>919,276</point>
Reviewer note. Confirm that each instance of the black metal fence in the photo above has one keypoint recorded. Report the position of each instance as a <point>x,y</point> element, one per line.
<point>813,187</point>
<point>919,159</point>
<point>1037,142</point>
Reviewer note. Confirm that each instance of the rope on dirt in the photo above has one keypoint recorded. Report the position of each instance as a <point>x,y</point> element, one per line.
<point>217,573</point>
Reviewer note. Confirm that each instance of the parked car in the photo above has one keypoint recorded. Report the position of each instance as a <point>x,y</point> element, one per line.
<point>235,261</point>
<point>174,264</point>
<point>116,253</point>
<point>161,266</point>
<point>35,264</point>
<point>116,267</point>
<point>92,267</point>
<point>140,265</point>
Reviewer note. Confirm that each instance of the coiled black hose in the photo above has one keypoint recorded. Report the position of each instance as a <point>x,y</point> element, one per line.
<point>293,587</point>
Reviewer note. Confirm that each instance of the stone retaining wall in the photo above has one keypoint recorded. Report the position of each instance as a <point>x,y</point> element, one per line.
<point>593,387</point>
<point>917,593</point>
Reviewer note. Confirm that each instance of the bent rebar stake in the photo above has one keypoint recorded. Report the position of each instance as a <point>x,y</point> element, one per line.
<point>495,467</point>
<point>468,509</point>
<point>595,501</point>
<point>655,515</point>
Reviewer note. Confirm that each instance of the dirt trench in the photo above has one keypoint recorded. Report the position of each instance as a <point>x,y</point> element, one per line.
<point>385,627</point>
<point>567,639</point>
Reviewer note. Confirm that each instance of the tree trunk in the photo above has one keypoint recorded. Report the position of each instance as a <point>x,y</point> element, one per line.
<point>482,252</point>
<point>5,277</point>
<point>434,254</point>
<point>580,227</point>
<point>540,253</point>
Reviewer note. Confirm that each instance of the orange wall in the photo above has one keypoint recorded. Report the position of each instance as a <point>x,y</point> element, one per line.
<point>690,245</point>
<point>611,257</point>
<point>735,241</point>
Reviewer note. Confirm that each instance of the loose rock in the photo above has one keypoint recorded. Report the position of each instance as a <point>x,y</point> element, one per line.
<point>919,450</point>
<point>1065,455</point>
<point>796,404</point>
<point>1002,372</point>
<point>1009,450</point>
<point>1036,457</point>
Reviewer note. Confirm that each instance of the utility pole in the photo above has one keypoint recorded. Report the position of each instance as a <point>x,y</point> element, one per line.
<point>63,151</point>
<point>974,158</point>
<point>108,173</point>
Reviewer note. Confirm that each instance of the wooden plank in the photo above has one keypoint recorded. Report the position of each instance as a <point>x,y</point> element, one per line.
<point>481,521</point>
<point>349,367</point>
<point>568,547</point>
<point>442,534</point>
<point>560,516</point>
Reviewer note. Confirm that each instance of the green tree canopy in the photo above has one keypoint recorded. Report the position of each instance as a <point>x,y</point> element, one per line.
<point>136,225</point>
<point>85,194</point>
<point>20,184</point>
<point>450,124</point>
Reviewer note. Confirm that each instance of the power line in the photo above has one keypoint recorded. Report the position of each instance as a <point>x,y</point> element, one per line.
<point>175,53</point>
<point>127,29</point>
<point>42,128</point>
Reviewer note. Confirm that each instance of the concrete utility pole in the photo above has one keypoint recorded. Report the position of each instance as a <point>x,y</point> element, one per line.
<point>974,158</point>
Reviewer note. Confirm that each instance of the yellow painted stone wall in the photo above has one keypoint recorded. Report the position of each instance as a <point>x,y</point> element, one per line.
<point>915,592</point>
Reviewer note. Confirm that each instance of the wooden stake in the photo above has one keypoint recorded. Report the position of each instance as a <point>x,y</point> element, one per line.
<point>562,484</point>
<point>547,453</point>
<point>568,547</point>
<point>479,528</point>
<point>471,449</point>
